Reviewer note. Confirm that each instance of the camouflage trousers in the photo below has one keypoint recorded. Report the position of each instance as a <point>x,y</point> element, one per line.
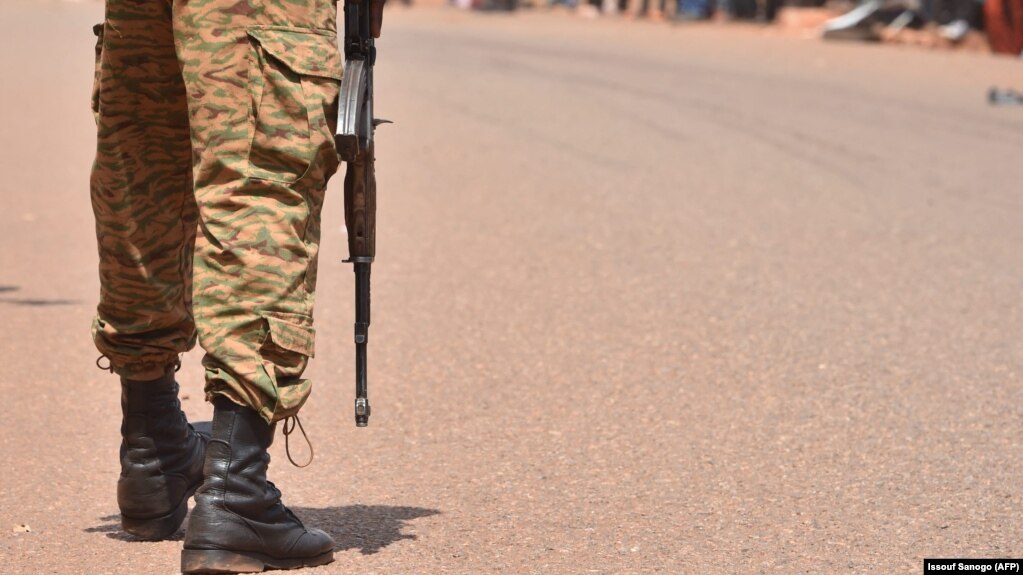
<point>215,143</point>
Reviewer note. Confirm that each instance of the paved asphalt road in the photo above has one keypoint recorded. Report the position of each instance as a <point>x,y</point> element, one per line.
<point>649,299</point>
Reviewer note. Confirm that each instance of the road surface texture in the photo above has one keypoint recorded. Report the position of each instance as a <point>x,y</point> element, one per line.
<point>648,299</point>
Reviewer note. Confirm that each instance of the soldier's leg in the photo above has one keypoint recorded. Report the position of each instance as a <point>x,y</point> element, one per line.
<point>141,189</point>
<point>262,80</point>
<point>145,223</point>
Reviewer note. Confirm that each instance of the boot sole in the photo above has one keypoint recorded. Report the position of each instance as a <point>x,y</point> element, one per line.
<point>219,561</point>
<point>157,528</point>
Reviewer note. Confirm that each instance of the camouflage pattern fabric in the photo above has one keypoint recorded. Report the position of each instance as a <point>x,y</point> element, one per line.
<point>216,116</point>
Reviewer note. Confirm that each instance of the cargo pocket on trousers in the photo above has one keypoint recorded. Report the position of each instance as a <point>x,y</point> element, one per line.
<point>288,345</point>
<point>98,31</point>
<point>295,76</point>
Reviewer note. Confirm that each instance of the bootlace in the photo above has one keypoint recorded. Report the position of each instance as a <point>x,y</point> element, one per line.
<point>277,495</point>
<point>288,430</point>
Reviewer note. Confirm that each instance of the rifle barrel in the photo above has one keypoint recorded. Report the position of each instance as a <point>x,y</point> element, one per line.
<point>362,319</point>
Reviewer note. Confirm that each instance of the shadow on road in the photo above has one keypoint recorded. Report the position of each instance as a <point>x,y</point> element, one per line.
<point>111,526</point>
<point>32,301</point>
<point>39,302</point>
<point>368,528</point>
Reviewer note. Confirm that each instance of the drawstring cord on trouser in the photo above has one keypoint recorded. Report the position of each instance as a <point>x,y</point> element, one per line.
<point>290,422</point>
<point>110,365</point>
<point>294,420</point>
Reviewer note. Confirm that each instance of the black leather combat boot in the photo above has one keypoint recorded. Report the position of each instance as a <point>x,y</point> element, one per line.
<point>161,458</point>
<point>239,524</point>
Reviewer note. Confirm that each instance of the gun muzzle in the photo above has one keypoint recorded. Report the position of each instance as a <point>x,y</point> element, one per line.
<point>361,412</point>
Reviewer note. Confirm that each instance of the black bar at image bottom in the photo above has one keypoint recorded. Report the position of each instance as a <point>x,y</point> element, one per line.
<point>936,566</point>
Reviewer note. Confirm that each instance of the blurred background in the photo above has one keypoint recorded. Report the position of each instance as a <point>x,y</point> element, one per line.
<point>723,287</point>
<point>981,25</point>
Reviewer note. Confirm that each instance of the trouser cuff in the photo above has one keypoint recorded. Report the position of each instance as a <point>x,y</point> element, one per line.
<point>139,370</point>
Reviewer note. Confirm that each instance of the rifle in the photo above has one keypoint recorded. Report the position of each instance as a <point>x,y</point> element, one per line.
<point>354,138</point>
